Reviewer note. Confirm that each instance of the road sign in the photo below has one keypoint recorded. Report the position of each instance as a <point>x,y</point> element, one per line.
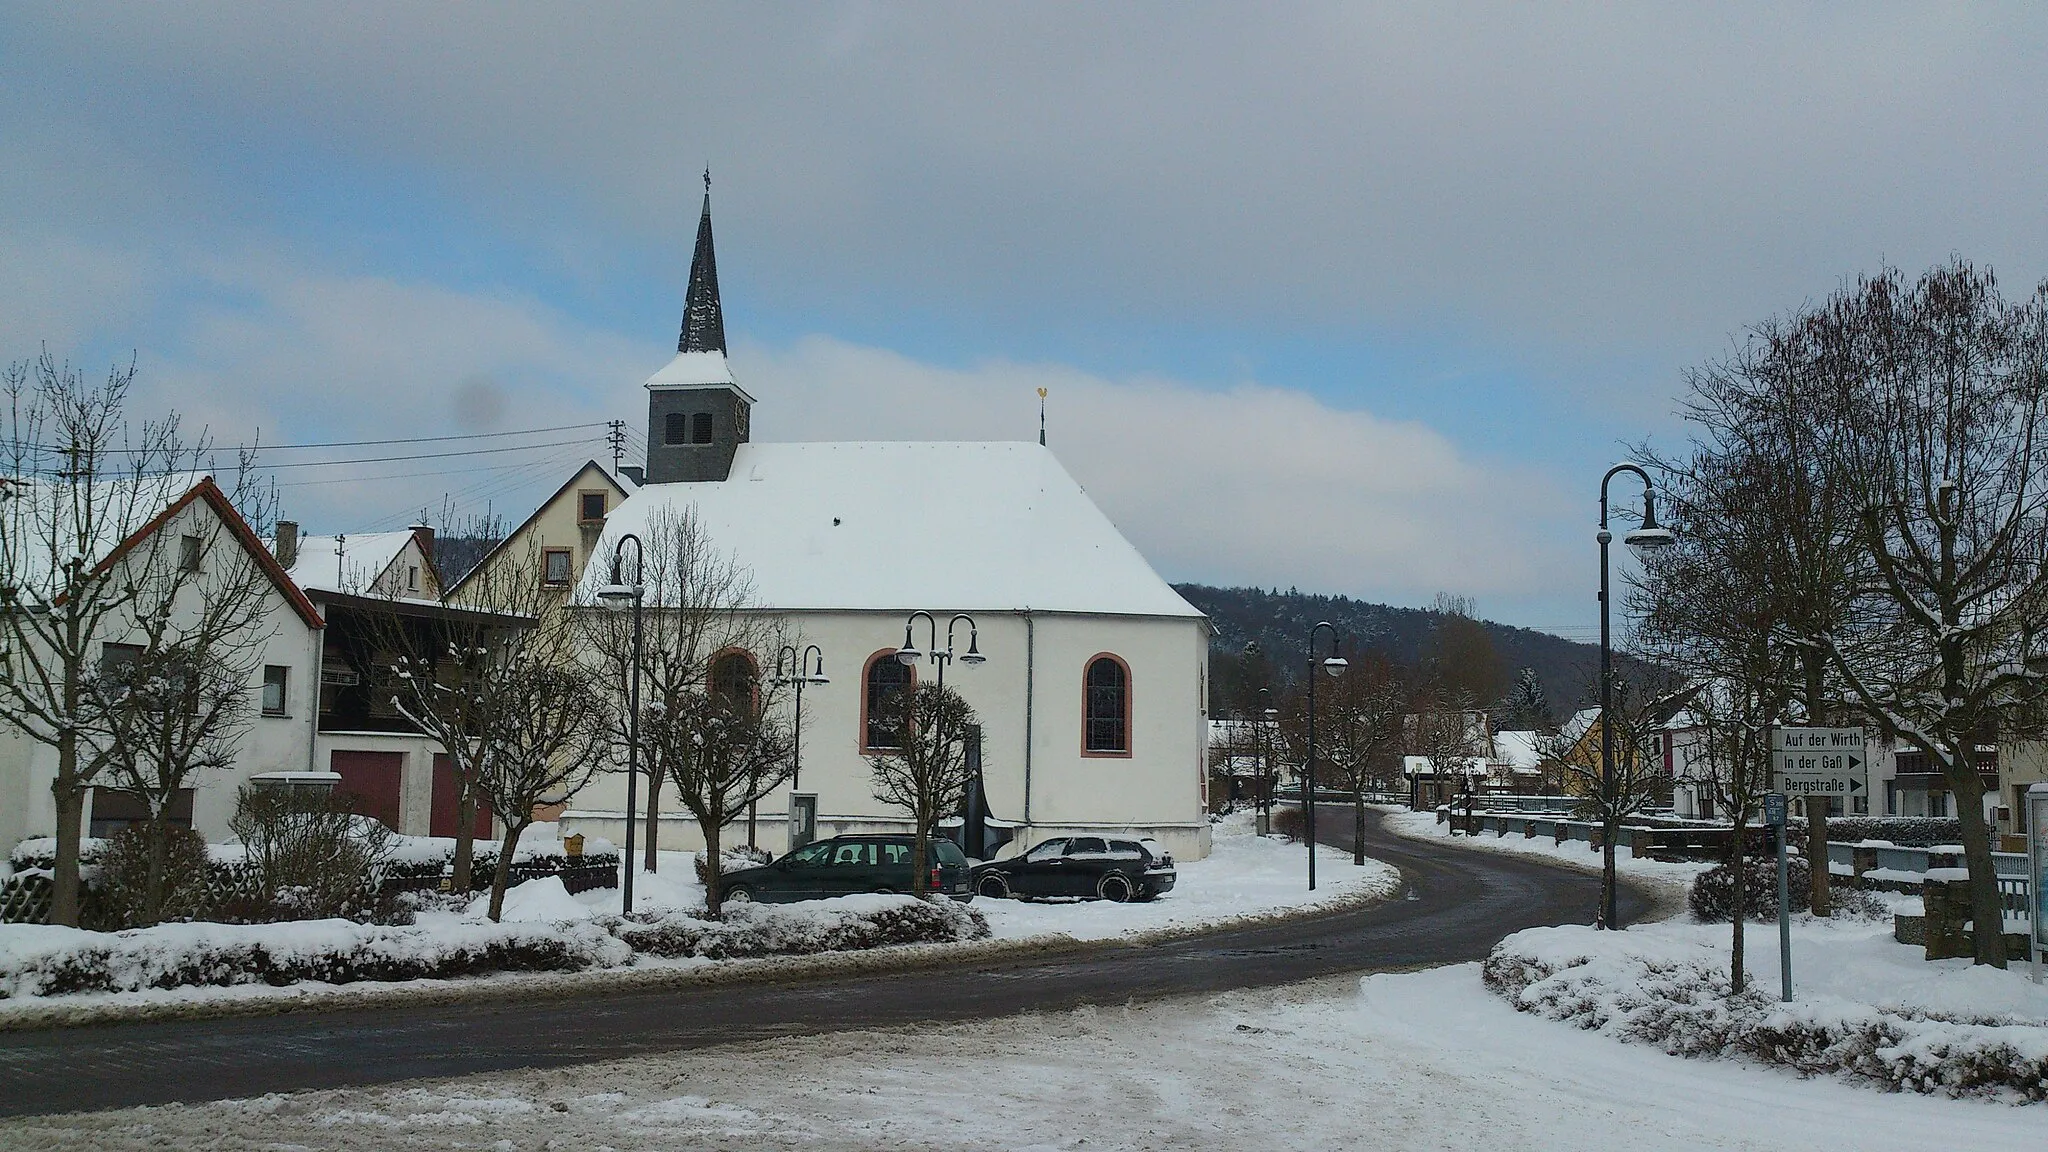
<point>1774,810</point>
<point>1818,761</point>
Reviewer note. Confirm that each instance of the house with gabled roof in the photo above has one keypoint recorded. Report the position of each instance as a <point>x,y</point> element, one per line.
<point>194,523</point>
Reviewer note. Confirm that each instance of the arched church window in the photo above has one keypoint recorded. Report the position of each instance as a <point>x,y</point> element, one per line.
<point>733,677</point>
<point>1106,707</point>
<point>675,429</point>
<point>882,687</point>
<point>700,428</point>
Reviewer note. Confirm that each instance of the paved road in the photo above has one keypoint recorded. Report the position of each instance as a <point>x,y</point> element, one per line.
<point>1458,905</point>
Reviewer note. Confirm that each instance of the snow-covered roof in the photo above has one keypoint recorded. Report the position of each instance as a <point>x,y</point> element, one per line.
<point>900,526</point>
<point>1451,765</point>
<point>696,370</point>
<point>45,511</point>
<point>1580,723</point>
<point>349,564</point>
<point>1518,750</point>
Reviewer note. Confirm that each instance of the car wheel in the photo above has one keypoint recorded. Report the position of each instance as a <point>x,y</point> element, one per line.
<point>994,886</point>
<point>740,895</point>
<point>1114,886</point>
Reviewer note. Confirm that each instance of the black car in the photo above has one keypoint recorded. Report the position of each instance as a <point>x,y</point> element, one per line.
<point>844,865</point>
<point>1093,867</point>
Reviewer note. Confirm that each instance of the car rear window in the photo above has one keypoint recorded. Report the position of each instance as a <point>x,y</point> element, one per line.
<point>949,852</point>
<point>1126,850</point>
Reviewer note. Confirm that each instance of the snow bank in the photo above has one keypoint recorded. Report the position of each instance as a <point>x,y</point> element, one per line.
<point>841,924</point>
<point>1867,1009</point>
<point>545,900</point>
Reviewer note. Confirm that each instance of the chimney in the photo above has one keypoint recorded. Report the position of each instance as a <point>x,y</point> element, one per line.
<point>287,545</point>
<point>424,535</point>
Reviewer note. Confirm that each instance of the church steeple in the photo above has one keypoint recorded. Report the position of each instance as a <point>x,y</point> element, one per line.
<point>703,319</point>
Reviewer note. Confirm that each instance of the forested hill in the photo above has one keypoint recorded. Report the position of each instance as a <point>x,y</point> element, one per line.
<point>1280,622</point>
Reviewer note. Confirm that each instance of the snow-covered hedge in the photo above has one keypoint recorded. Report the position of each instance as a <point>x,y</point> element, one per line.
<point>731,860</point>
<point>41,960</point>
<point>1712,897</point>
<point>844,924</point>
<point>1673,995</point>
<point>1904,831</point>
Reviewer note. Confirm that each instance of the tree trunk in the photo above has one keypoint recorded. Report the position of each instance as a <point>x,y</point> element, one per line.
<point>714,877</point>
<point>465,838</point>
<point>1817,853</point>
<point>653,816</point>
<point>501,876</point>
<point>920,851</point>
<point>159,847</point>
<point>70,802</point>
<point>1986,909</point>
<point>1738,865</point>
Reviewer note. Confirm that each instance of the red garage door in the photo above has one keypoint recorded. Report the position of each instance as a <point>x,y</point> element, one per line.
<point>443,823</point>
<point>370,781</point>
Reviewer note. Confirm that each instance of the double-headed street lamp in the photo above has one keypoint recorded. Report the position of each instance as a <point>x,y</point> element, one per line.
<point>1650,535</point>
<point>619,595</point>
<point>1334,664</point>
<point>909,655</point>
<point>806,667</point>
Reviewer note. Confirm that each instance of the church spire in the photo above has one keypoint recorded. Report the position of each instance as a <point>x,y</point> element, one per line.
<point>703,320</point>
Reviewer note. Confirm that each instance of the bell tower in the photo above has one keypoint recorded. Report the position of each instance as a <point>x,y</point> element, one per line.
<point>697,417</point>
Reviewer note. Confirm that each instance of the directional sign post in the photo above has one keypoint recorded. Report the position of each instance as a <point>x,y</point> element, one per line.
<point>1823,762</point>
<point>1774,816</point>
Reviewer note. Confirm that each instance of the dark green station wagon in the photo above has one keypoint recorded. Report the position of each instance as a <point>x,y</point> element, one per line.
<point>844,865</point>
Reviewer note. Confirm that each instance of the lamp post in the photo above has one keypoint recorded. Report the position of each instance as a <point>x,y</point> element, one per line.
<point>972,829</point>
<point>615,595</point>
<point>1647,537</point>
<point>813,659</point>
<point>1334,664</point>
<point>1269,717</point>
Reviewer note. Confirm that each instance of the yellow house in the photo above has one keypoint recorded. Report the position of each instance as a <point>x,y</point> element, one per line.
<point>561,534</point>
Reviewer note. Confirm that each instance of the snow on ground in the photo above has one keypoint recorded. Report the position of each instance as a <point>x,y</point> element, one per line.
<point>1412,1061</point>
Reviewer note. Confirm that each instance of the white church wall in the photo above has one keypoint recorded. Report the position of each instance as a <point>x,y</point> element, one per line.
<point>1155,791</point>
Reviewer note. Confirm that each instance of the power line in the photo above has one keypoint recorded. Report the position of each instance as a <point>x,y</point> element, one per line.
<point>417,456</point>
<point>351,443</point>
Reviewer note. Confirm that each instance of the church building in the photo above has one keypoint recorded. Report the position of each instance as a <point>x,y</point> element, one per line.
<point>1092,695</point>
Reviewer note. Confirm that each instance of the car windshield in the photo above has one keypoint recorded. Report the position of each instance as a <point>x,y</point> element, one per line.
<point>1050,850</point>
<point>810,855</point>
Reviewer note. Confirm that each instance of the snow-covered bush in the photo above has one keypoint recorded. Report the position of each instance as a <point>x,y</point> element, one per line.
<point>40,960</point>
<point>306,856</point>
<point>1904,831</point>
<point>732,860</point>
<point>1677,997</point>
<point>1712,898</point>
<point>845,924</point>
<point>124,879</point>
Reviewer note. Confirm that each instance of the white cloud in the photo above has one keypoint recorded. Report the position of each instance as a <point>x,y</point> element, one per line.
<point>1250,485</point>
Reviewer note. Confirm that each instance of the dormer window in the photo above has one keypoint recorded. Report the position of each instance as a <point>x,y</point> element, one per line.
<point>589,507</point>
<point>700,428</point>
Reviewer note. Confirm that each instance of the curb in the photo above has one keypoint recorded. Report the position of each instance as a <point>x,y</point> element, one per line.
<point>510,988</point>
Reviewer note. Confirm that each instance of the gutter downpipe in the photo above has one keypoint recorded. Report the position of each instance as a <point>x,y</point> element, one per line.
<point>1030,655</point>
<point>313,724</point>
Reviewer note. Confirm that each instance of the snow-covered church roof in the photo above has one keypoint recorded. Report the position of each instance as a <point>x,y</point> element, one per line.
<point>902,526</point>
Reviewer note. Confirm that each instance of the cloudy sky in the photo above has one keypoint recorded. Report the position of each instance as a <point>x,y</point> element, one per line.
<point>1361,301</point>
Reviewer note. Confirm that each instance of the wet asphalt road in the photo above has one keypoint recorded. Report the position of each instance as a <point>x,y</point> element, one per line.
<point>1458,904</point>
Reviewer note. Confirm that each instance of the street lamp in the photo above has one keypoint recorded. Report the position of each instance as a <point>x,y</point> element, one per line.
<point>1334,664</point>
<point>619,595</point>
<point>1649,536</point>
<point>813,659</point>
<point>1269,717</point>
<point>909,654</point>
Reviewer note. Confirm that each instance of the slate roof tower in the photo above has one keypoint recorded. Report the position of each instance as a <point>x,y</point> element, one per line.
<point>697,417</point>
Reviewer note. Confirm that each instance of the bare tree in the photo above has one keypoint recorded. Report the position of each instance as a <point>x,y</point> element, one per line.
<point>1636,780</point>
<point>79,481</point>
<point>724,750</point>
<point>1361,728</point>
<point>928,775</point>
<point>699,622</point>
<point>1945,645</point>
